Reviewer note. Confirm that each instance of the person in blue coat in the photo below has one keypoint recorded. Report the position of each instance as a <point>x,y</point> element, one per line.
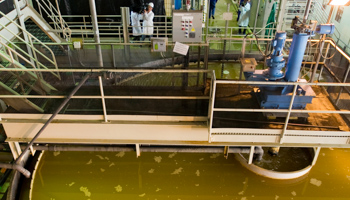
<point>244,16</point>
<point>212,8</point>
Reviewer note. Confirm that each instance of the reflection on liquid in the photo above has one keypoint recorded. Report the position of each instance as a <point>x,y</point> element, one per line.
<point>120,175</point>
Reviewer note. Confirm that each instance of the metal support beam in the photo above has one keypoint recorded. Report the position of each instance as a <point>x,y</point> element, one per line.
<point>307,10</point>
<point>125,22</point>
<point>96,31</point>
<point>113,56</point>
<point>211,108</point>
<point>281,9</point>
<point>251,155</point>
<point>13,148</point>
<point>256,16</point>
<point>138,152</point>
<point>317,153</point>
<point>225,41</point>
<point>243,47</point>
<point>226,149</point>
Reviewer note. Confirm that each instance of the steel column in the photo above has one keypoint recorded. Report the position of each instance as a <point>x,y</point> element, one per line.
<point>281,9</point>
<point>251,155</point>
<point>317,153</point>
<point>307,10</point>
<point>256,16</point>
<point>96,31</point>
<point>225,41</point>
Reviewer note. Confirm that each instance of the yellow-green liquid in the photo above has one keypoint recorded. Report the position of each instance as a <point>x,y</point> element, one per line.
<point>120,175</point>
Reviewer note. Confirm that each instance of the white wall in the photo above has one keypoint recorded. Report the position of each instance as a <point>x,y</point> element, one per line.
<point>343,27</point>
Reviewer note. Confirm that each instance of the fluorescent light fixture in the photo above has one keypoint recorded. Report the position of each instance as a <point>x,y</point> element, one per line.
<point>339,2</point>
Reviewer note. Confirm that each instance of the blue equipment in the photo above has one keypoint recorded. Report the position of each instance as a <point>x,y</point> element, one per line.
<point>178,4</point>
<point>278,96</point>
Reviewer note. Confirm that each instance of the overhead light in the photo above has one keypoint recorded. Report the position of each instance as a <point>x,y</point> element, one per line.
<point>339,2</point>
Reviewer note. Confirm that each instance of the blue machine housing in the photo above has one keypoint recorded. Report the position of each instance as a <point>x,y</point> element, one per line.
<point>279,96</point>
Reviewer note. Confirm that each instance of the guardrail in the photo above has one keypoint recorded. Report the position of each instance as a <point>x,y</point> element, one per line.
<point>59,24</point>
<point>34,61</point>
<point>244,136</point>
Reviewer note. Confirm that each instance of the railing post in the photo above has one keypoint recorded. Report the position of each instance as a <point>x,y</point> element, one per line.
<point>113,56</point>
<point>166,26</point>
<point>125,20</point>
<point>211,105</point>
<point>103,99</point>
<point>324,61</point>
<point>243,47</point>
<point>342,88</point>
<point>60,17</point>
<point>251,155</point>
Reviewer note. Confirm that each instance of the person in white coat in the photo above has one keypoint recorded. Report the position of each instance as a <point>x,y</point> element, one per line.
<point>244,16</point>
<point>148,16</point>
<point>135,23</point>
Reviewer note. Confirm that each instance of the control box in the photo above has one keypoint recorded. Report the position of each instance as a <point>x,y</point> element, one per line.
<point>187,26</point>
<point>159,44</point>
<point>248,64</point>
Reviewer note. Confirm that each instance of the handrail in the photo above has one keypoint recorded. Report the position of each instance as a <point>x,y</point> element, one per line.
<point>25,59</point>
<point>35,50</point>
<point>59,22</point>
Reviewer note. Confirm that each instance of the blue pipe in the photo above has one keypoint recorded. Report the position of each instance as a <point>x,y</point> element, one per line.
<point>296,55</point>
<point>178,4</point>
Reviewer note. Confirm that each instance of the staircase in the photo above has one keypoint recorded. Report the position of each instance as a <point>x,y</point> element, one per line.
<point>34,29</point>
<point>21,83</point>
<point>15,79</point>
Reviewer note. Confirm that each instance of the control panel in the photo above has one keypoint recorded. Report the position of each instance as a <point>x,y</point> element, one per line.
<point>187,26</point>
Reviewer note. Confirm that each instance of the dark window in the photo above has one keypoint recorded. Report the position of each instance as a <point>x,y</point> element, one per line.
<point>6,6</point>
<point>339,14</point>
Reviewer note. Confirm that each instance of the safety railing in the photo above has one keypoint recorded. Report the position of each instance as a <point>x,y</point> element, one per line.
<point>34,58</point>
<point>293,9</point>
<point>81,25</point>
<point>47,10</point>
<point>276,136</point>
<point>111,26</point>
<point>283,135</point>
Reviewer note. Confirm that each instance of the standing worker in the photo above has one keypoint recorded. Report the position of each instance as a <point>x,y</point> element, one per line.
<point>148,16</point>
<point>212,8</point>
<point>241,2</point>
<point>244,16</point>
<point>135,23</point>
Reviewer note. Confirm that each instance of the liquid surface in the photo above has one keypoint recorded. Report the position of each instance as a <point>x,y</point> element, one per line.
<point>120,175</point>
